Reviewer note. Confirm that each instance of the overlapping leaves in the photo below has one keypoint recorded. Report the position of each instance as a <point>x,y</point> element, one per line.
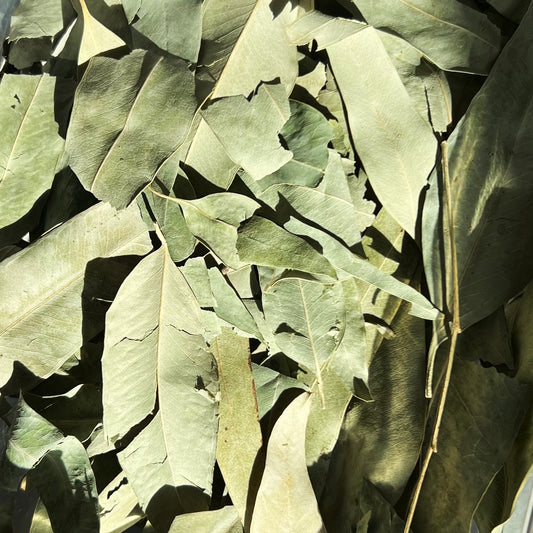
<point>222,225</point>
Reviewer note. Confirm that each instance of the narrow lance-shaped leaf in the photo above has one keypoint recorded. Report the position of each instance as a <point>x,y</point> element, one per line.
<point>147,102</point>
<point>41,315</point>
<point>395,144</point>
<point>453,35</point>
<point>30,147</point>
<point>238,418</point>
<point>285,501</point>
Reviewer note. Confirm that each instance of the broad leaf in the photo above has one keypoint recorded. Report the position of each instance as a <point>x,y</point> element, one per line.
<point>173,26</point>
<point>170,478</point>
<point>143,345</point>
<point>395,144</point>
<point>238,418</point>
<point>67,487</point>
<point>42,324</point>
<point>252,144</point>
<point>214,220</point>
<point>490,171</point>
<point>269,385</point>
<point>285,501</point>
<point>6,10</point>
<point>95,37</point>
<point>30,437</point>
<point>453,35</point>
<point>147,101</point>
<point>27,116</point>
<point>32,19</point>
<point>483,413</point>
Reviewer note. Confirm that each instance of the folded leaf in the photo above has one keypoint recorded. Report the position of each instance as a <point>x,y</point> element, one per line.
<point>147,102</point>
<point>285,501</point>
<point>95,37</point>
<point>395,144</point>
<point>30,147</point>
<point>42,324</point>
<point>453,35</point>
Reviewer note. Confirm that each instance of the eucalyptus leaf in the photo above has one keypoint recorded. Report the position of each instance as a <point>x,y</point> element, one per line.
<point>6,10</point>
<point>395,144</point>
<point>27,115</point>
<point>105,154</point>
<point>238,418</point>
<point>95,38</point>
<point>475,437</point>
<point>285,500</point>
<point>451,34</point>
<point>32,19</point>
<point>252,144</point>
<point>225,520</point>
<point>42,324</point>
<point>490,178</point>
<point>67,487</point>
<point>173,26</point>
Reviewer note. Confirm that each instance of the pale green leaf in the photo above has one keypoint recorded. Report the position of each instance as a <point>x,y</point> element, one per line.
<point>252,141</point>
<point>395,144</point>
<point>239,427</point>
<point>142,345</point>
<point>348,263</point>
<point>239,38</point>
<point>36,18</point>
<point>225,520</point>
<point>285,500</point>
<point>451,34</point>
<point>77,412</point>
<point>313,81</point>
<point>171,477</point>
<point>484,410</point>
<point>40,522</point>
<point>147,102</point>
<point>322,28</point>
<point>30,147</point>
<point>380,440</point>
<point>426,84</point>
<point>173,26</point>
<point>118,504</point>
<point>41,316</point>
<point>67,487</point>
<point>331,204</point>
<point>491,189</point>
<point>95,37</point>
<point>306,134</point>
<point>214,219</point>
<point>262,242</point>
<point>30,437</point>
<point>269,385</point>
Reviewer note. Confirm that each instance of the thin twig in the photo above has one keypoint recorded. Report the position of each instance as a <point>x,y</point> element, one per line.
<point>455,330</point>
